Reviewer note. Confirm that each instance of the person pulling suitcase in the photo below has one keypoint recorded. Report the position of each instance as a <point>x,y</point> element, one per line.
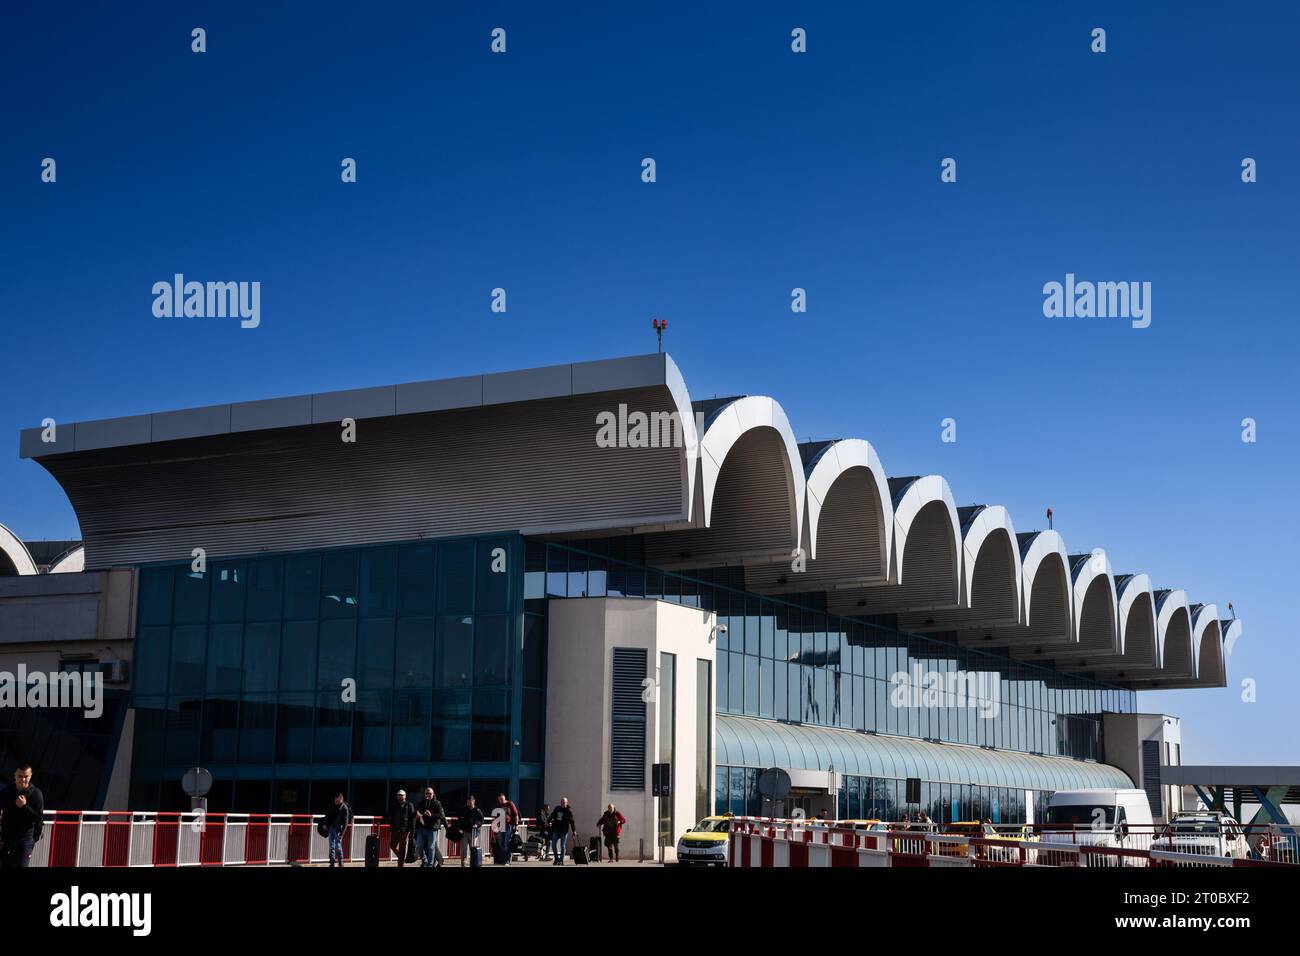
<point>470,824</point>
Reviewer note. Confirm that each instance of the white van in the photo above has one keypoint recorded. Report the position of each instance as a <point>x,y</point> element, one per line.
<point>1103,818</point>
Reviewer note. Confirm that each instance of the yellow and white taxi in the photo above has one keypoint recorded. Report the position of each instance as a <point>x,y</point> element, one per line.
<point>706,842</point>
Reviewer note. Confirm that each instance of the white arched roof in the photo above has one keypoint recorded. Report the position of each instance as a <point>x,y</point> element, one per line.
<point>1171,608</point>
<point>13,548</point>
<point>988,522</point>
<point>1205,625</point>
<point>1040,549</point>
<point>1231,629</point>
<point>726,426</point>
<point>830,463</point>
<point>909,500</point>
<point>1089,568</point>
<point>1134,587</point>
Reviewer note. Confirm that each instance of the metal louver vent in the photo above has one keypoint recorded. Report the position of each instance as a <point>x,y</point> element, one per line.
<point>1151,776</point>
<point>628,720</point>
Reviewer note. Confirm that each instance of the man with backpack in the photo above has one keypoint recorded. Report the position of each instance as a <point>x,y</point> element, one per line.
<point>505,820</point>
<point>429,821</point>
<point>610,826</point>
<point>337,818</point>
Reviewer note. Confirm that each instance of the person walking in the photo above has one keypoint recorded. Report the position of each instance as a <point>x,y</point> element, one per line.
<point>400,820</point>
<point>544,829</point>
<point>337,818</point>
<point>429,821</point>
<point>508,815</point>
<point>610,826</point>
<point>22,819</point>
<point>470,823</point>
<point>562,824</point>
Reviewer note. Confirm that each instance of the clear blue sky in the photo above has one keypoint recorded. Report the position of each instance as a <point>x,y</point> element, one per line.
<point>775,170</point>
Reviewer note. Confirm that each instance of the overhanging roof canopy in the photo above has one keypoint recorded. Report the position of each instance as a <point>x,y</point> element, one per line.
<point>749,742</point>
<point>521,451</point>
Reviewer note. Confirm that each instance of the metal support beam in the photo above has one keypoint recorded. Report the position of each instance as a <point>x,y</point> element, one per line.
<point>1267,807</point>
<point>1204,797</point>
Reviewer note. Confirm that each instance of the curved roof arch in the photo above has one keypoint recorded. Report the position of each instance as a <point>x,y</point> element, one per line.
<point>829,465</point>
<point>1231,631</point>
<point>1044,551</point>
<point>1174,632</point>
<point>1206,634</point>
<point>1094,602</point>
<point>912,496</point>
<point>14,553</point>
<point>986,525</point>
<point>1137,619</point>
<point>723,432</point>
<point>925,572</point>
<point>751,496</point>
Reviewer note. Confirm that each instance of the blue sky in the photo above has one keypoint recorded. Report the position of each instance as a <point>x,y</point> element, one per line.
<point>775,170</point>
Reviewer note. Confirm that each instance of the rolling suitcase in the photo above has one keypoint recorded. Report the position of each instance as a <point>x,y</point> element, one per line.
<point>475,851</point>
<point>580,855</point>
<point>372,850</point>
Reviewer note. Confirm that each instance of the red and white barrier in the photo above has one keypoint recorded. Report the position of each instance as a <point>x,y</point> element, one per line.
<point>799,843</point>
<point>112,838</point>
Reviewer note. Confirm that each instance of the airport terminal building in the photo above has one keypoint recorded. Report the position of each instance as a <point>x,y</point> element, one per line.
<point>548,581</point>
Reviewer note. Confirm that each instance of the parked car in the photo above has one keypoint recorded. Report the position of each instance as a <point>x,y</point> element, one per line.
<point>1203,832</point>
<point>706,842</point>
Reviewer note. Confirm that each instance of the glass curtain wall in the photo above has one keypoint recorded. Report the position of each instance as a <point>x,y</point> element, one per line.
<point>293,676</point>
<point>781,661</point>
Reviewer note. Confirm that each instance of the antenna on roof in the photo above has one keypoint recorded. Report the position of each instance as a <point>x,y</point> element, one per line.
<point>1049,519</point>
<point>1231,611</point>
<point>659,326</point>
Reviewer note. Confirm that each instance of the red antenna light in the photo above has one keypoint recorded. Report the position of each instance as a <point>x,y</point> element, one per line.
<point>659,326</point>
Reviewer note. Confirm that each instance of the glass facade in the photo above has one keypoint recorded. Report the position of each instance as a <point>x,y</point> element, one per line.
<point>291,677</point>
<point>882,798</point>
<point>294,676</point>
<point>785,662</point>
<point>72,753</point>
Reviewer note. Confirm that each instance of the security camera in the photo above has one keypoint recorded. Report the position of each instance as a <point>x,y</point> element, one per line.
<point>722,629</point>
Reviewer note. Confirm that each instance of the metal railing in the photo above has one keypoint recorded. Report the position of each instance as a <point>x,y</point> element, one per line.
<point>764,842</point>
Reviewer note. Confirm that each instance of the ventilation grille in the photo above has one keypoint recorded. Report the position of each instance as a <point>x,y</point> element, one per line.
<point>1151,776</point>
<point>628,720</point>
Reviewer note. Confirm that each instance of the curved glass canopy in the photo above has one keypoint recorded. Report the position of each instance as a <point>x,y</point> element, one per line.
<point>747,742</point>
